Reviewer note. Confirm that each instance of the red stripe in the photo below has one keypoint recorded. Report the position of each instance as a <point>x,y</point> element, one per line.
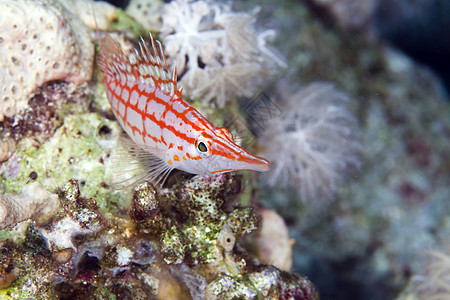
<point>223,170</point>
<point>167,105</point>
<point>161,122</point>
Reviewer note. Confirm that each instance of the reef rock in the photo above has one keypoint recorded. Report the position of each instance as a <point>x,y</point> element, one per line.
<point>105,13</point>
<point>180,242</point>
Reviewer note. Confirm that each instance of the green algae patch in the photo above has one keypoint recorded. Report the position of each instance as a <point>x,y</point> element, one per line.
<point>80,149</point>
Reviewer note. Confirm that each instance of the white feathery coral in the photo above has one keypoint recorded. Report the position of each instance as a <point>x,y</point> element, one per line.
<point>218,52</point>
<point>313,143</point>
<point>33,202</point>
<point>40,41</point>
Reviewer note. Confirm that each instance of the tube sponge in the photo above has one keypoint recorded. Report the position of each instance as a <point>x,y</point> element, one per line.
<point>40,41</point>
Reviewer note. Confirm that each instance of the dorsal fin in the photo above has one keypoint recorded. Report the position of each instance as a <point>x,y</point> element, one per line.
<point>157,67</point>
<point>146,64</point>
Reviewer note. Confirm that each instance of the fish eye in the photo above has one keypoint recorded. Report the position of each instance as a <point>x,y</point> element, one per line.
<point>203,146</point>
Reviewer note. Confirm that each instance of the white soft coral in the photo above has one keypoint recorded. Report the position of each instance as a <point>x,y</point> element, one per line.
<point>218,51</point>
<point>313,143</point>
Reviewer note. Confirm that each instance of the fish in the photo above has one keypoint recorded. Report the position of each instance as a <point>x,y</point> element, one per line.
<point>166,132</point>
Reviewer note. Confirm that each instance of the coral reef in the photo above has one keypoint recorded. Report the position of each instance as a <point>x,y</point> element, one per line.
<point>79,216</point>
<point>265,283</point>
<point>196,237</point>
<point>60,158</point>
<point>52,45</point>
<point>400,196</point>
<point>180,241</point>
<point>218,52</point>
<point>191,239</point>
<point>42,116</point>
<point>313,143</point>
<point>33,202</point>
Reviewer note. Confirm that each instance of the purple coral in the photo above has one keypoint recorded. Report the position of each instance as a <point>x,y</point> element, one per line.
<point>313,143</point>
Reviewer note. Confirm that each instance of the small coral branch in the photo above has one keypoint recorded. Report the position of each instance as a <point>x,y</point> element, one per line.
<point>33,202</point>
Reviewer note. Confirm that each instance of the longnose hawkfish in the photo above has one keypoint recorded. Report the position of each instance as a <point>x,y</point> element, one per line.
<point>167,131</point>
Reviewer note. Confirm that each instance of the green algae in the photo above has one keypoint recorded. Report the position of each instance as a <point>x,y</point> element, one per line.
<point>79,149</point>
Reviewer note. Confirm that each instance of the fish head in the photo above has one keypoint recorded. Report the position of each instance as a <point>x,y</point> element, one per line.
<point>215,152</point>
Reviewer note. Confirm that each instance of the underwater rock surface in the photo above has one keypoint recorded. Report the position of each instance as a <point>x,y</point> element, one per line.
<point>179,242</point>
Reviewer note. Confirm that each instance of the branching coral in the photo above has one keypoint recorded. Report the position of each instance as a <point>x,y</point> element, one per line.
<point>313,143</point>
<point>219,51</point>
<point>33,202</point>
<point>40,41</point>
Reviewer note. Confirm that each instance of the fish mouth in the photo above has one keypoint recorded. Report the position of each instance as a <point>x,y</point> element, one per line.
<point>257,163</point>
<point>253,162</point>
<point>238,158</point>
